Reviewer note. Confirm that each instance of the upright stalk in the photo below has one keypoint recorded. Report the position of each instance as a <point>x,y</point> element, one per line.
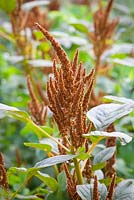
<point>97,66</point>
<point>78,171</point>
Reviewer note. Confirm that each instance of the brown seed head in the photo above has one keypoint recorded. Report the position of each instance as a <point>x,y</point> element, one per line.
<point>96,194</point>
<point>68,94</point>
<point>111,188</point>
<point>3,175</point>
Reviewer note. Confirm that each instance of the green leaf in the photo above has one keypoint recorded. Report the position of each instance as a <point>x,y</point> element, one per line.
<point>38,35</point>
<point>47,129</point>
<point>53,161</point>
<point>58,195</point>
<point>44,147</point>
<point>129,62</point>
<point>16,170</point>
<point>124,190</point>
<point>32,171</point>
<point>45,47</point>
<point>52,196</point>
<point>28,197</point>
<point>80,27</point>
<point>14,112</point>
<point>83,156</point>
<point>81,153</point>
<point>98,166</point>
<point>50,142</point>
<point>107,181</point>
<point>7,6</point>
<point>119,99</point>
<point>94,139</point>
<point>86,191</point>
<point>61,193</point>
<point>17,176</point>
<point>104,155</point>
<point>124,137</point>
<point>105,114</point>
<point>49,181</point>
<point>30,127</point>
<point>62,181</point>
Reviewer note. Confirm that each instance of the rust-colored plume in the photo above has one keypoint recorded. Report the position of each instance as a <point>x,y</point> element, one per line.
<point>96,194</point>
<point>69,94</point>
<point>111,188</point>
<point>60,52</point>
<point>3,175</point>
<point>103,31</point>
<point>71,184</point>
<point>110,142</point>
<point>88,171</point>
<point>20,21</point>
<point>38,108</point>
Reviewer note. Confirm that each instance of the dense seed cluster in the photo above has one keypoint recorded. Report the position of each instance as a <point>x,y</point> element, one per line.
<point>38,108</point>
<point>69,95</point>
<point>110,164</point>
<point>3,175</point>
<point>103,29</point>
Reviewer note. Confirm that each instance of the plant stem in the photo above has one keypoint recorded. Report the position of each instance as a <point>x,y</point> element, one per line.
<point>78,171</point>
<point>97,66</point>
<point>38,129</point>
<point>20,188</point>
<point>77,168</point>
